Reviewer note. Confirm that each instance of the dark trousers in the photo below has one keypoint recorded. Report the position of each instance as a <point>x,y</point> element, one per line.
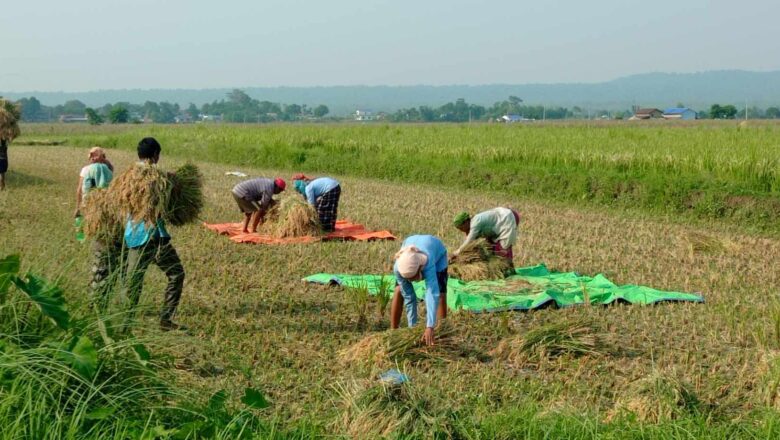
<point>162,253</point>
<point>105,271</point>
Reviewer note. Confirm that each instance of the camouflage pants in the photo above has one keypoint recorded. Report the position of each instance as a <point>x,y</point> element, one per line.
<point>104,272</point>
<point>162,253</point>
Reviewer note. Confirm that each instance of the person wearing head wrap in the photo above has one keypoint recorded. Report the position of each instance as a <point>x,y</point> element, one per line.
<point>255,197</point>
<point>96,174</point>
<point>105,255</point>
<point>422,257</point>
<point>323,193</point>
<point>498,226</point>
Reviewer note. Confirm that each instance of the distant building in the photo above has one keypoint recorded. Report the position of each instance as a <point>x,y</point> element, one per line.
<point>364,115</point>
<point>683,113</point>
<point>183,118</point>
<point>513,118</point>
<point>73,118</point>
<point>647,113</point>
<point>210,118</point>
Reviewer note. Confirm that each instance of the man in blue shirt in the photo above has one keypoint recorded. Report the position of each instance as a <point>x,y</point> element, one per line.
<point>323,193</point>
<point>152,244</point>
<point>422,257</point>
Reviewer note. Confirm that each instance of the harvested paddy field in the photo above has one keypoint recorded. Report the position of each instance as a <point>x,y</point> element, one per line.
<point>674,370</point>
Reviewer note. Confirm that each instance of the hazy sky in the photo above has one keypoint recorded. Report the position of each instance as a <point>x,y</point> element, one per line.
<point>80,45</point>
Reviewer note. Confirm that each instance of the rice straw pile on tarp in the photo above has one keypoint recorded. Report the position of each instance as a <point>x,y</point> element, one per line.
<point>101,218</point>
<point>186,196</point>
<point>292,216</point>
<point>9,120</point>
<point>477,262</point>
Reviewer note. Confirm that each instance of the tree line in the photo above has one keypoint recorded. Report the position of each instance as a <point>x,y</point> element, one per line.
<point>239,107</point>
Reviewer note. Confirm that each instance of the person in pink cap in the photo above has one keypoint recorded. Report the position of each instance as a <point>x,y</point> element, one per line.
<point>255,197</point>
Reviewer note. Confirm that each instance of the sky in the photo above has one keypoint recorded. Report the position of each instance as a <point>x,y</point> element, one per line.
<point>83,45</point>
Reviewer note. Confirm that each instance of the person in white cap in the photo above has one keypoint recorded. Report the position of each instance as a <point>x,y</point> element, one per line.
<point>422,257</point>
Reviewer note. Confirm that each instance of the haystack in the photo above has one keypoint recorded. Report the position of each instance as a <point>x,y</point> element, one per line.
<point>101,218</point>
<point>478,262</point>
<point>186,198</point>
<point>405,345</point>
<point>577,338</point>
<point>390,411</point>
<point>656,398</point>
<point>292,216</point>
<point>9,120</point>
<point>142,192</point>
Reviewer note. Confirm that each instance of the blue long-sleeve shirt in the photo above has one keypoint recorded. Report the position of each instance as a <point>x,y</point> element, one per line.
<point>437,262</point>
<point>319,186</point>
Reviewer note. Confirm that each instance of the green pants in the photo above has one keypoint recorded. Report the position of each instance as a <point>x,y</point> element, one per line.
<point>162,253</point>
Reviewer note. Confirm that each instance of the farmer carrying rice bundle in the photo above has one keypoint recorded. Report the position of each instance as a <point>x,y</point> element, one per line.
<point>323,193</point>
<point>147,239</point>
<point>97,174</point>
<point>10,115</point>
<point>106,247</point>
<point>422,257</point>
<point>498,226</point>
<point>255,197</point>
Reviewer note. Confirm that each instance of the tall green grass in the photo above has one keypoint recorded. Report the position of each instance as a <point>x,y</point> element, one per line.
<point>710,170</point>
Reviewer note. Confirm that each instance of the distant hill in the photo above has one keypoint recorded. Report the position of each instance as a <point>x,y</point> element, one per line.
<point>696,90</point>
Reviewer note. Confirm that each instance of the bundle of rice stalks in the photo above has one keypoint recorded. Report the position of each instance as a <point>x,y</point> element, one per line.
<point>406,345</point>
<point>577,338</point>
<point>395,411</point>
<point>186,198</point>
<point>9,120</point>
<point>142,192</point>
<point>101,217</point>
<point>477,262</point>
<point>656,398</point>
<point>292,216</point>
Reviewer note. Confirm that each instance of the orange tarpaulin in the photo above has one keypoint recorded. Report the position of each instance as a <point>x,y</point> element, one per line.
<point>345,230</point>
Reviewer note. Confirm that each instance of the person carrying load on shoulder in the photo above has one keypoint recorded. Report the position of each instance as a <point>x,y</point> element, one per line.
<point>422,257</point>
<point>498,226</point>
<point>96,174</point>
<point>255,197</point>
<point>151,243</point>
<point>323,193</point>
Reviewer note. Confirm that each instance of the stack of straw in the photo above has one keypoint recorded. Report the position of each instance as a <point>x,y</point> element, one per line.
<point>101,219</point>
<point>405,345</point>
<point>144,193</point>
<point>9,120</point>
<point>292,216</point>
<point>477,262</point>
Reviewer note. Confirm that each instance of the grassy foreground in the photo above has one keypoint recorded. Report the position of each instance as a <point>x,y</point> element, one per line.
<point>669,371</point>
<point>707,170</point>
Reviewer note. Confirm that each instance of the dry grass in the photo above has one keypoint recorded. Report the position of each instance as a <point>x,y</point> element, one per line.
<point>246,306</point>
<point>9,120</point>
<point>477,262</point>
<point>379,410</point>
<point>101,218</point>
<point>574,339</point>
<point>404,344</point>
<point>141,192</point>
<point>656,398</point>
<point>186,198</point>
<point>292,216</point>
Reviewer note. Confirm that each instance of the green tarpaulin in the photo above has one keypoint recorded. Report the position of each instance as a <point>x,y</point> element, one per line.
<point>529,288</point>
